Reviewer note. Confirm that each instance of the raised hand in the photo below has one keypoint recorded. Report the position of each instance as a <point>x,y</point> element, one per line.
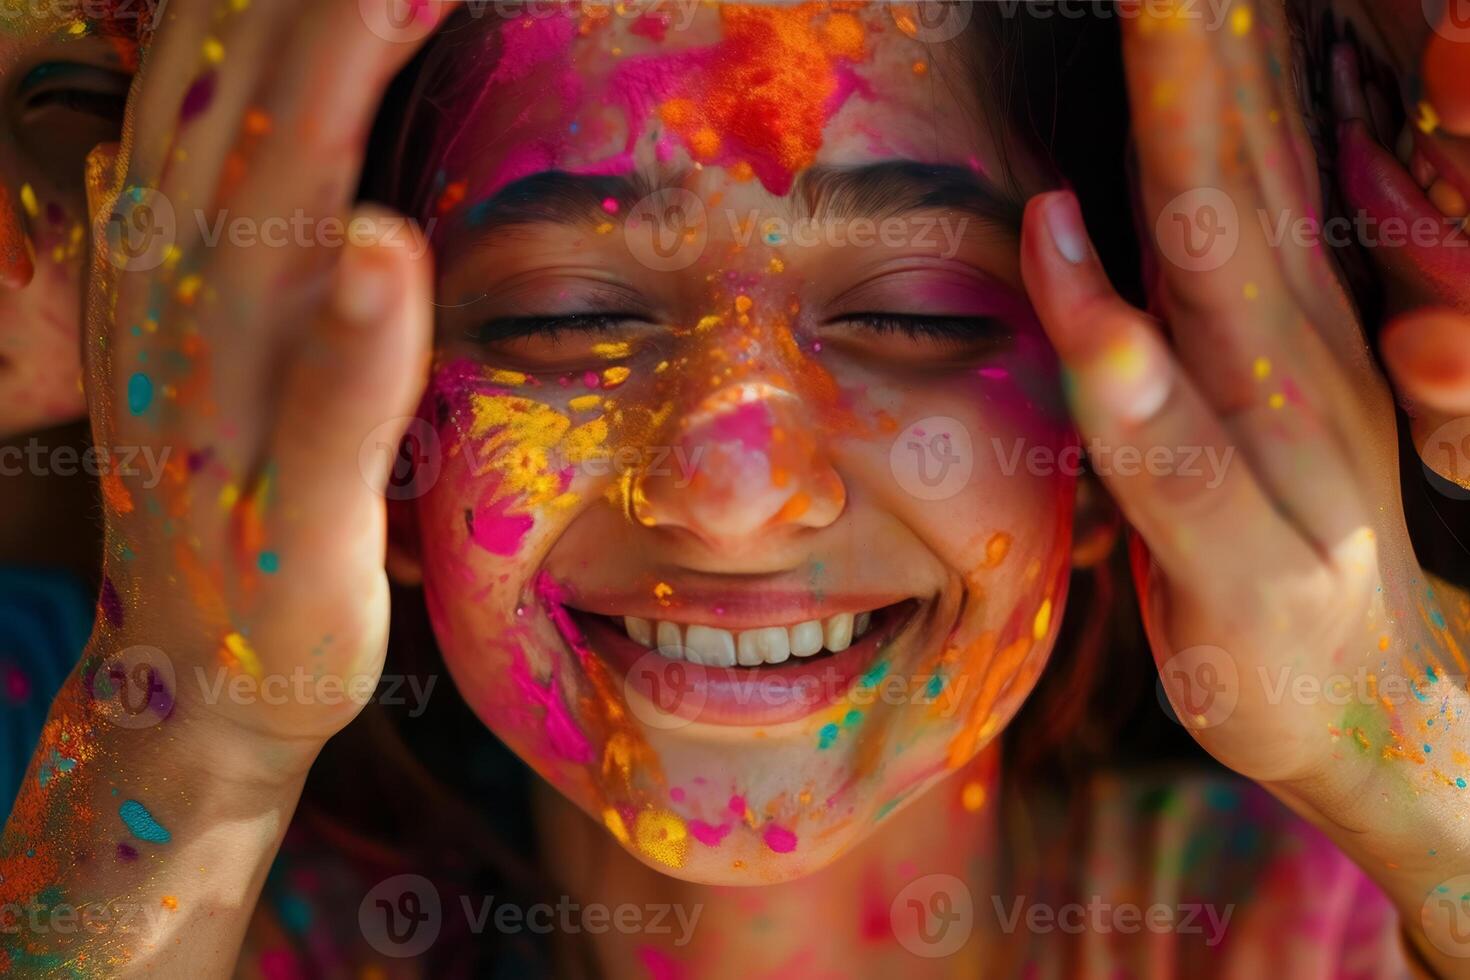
<point>1295,633</point>
<point>253,331</point>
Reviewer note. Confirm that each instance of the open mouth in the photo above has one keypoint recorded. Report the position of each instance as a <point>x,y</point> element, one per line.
<point>758,675</point>
<point>1407,191</point>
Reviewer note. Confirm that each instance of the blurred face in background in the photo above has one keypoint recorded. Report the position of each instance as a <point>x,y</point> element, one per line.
<point>64,80</point>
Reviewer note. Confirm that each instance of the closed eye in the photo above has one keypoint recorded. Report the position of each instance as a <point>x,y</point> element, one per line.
<point>78,88</point>
<point>550,328</point>
<point>933,327</point>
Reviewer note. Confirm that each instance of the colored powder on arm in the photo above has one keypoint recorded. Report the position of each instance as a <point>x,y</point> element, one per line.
<point>141,823</point>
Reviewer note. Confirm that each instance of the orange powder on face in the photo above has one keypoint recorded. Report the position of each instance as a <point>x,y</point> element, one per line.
<point>757,101</point>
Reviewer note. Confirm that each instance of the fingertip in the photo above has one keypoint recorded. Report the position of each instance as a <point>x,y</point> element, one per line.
<point>1427,353</point>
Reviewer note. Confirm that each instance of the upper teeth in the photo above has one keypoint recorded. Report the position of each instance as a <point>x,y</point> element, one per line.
<point>715,647</point>
<point>1441,193</point>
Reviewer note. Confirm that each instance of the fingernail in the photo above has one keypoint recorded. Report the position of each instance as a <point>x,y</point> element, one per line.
<point>364,288</point>
<point>1064,222</point>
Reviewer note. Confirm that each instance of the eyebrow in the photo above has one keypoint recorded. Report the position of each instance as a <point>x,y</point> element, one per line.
<point>883,189</point>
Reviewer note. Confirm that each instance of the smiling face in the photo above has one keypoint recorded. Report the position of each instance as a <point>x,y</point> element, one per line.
<point>63,85</point>
<point>748,522</point>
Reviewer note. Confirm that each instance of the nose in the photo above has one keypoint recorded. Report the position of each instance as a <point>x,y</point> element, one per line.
<point>746,464</point>
<point>16,266</point>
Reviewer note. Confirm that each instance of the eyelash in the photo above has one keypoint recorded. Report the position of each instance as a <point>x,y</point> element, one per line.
<point>549,328</point>
<point>928,326</point>
<point>552,328</point>
<point>87,90</point>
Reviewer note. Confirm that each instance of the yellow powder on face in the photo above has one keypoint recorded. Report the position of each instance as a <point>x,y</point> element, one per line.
<point>526,442</point>
<point>973,796</point>
<point>997,548</point>
<point>613,821</point>
<point>663,837</point>
<point>1043,620</point>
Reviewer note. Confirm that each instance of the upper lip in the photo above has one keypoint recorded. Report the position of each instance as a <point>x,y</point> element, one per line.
<point>734,609</point>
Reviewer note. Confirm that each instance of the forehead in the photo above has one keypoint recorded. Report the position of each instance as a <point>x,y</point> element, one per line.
<point>103,25</point>
<point>755,93</point>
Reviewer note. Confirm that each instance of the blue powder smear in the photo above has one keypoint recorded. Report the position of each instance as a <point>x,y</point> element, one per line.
<point>140,393</point>
<point>138,820</point>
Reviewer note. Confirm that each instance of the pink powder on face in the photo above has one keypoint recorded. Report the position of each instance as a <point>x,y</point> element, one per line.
<point>498,532</point>
<point>707,834</point>
<point>779,839</point>
<point>653,26</point>
<point>749,425</point>
<point>563,737</point>
<point>531,41</point>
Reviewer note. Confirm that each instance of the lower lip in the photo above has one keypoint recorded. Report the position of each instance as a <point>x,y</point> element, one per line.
<point>1374,181</point>
<point>742,696</point>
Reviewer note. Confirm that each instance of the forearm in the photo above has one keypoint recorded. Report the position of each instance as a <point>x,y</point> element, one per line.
<point>139,850</point>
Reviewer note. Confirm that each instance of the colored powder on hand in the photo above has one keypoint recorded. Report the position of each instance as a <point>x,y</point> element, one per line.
<point>199,97</point>
<point>141,823</point>
<point>140,393</point>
